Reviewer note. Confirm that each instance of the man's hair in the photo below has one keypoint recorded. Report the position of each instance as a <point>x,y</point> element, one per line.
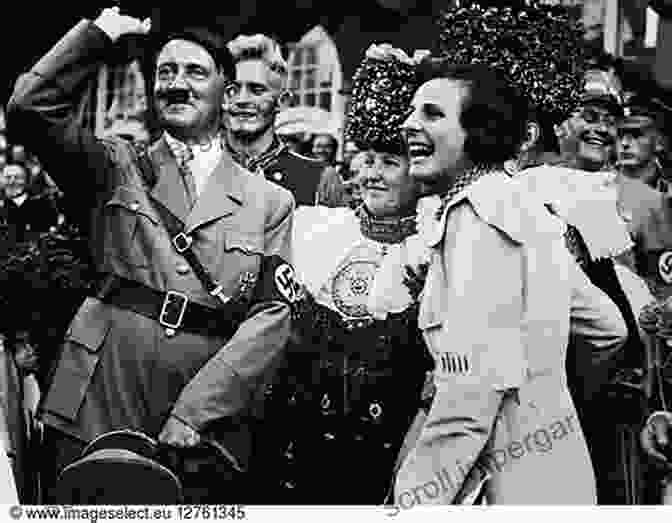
<point>493,114</point>
<point>259,47</point>
<point>211,41</point>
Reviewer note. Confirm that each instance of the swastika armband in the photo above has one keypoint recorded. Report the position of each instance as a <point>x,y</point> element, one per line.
<point>277,281</point>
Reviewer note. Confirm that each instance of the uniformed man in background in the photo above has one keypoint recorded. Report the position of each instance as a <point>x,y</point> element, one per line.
<point>254,99</point>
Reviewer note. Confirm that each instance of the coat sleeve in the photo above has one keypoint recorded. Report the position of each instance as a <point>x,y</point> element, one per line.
<point>44,112</point>
<point>472,320</point>
<point>227,382</point>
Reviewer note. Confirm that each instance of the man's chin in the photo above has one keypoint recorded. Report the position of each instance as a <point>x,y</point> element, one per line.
<point>173,121</point>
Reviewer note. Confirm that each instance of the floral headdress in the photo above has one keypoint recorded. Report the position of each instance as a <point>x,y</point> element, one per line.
<point>540,48</point>
<point>383,87</point>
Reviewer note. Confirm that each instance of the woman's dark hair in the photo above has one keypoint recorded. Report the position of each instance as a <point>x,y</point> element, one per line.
<point>494,114</point>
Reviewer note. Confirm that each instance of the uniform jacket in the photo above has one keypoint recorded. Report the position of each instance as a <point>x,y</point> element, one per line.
<point>495,315</point>
<point>298,174</point>
<point>119,369</point>
<point>649,214</point>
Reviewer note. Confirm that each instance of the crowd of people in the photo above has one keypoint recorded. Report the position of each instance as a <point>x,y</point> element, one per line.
<point>470,307</point>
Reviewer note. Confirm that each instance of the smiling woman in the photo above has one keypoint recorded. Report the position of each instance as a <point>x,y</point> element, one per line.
<point>358,327</point>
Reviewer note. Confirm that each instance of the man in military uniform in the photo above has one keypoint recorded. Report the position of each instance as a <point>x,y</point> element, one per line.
<point>253,102</point>
<point>181,336</point>
<point>643,197</point>
<point>641,140</point>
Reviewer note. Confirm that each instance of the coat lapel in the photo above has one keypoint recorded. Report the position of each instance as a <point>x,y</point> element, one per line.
<point>169,189</point>
<point>222,195</point>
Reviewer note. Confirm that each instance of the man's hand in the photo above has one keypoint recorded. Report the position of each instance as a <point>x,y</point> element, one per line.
<point>116,25</point>
<point>655,439</point>
<point>178,434</point>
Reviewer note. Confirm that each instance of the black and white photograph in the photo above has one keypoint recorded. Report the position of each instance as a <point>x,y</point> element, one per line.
<point>394,254</point>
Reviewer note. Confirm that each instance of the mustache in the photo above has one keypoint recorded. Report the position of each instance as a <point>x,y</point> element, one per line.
<point>173,96</point>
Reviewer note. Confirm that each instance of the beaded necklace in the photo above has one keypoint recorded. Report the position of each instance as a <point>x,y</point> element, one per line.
<point>386,230</point>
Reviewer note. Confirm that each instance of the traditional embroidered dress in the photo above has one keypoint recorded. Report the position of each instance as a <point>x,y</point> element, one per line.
<point>363,362</point>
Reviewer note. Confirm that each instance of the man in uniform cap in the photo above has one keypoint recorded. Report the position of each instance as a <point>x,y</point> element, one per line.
<point>586,139</point>
<point>186,326</point>
<point>644,196</point>
<point>642,140</point>
<point>254,99</point>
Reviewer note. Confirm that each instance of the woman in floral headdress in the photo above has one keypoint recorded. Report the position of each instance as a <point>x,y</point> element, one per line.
<point>363,360</point>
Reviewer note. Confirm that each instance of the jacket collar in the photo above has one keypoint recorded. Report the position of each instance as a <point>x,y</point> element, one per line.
<point>489,197</point>
<point>169,190</point>
<point>227,179</point>
<point>261,162</point>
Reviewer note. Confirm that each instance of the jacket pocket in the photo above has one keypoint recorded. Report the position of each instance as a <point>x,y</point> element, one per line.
<point>78,361</point>
<point>247,243</point>
<point>127,214</point>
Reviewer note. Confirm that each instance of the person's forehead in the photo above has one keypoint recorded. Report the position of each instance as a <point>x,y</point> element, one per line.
<point>256,71</point>
<point>441,91</point>
<point>184,51</point>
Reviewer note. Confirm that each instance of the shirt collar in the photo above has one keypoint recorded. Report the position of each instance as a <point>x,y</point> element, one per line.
<point>182,152</point>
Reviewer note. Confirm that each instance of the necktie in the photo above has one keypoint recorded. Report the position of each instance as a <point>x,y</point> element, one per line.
<point>184,155</point>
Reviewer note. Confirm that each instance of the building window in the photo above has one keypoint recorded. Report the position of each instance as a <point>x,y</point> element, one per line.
<point>315,76</point>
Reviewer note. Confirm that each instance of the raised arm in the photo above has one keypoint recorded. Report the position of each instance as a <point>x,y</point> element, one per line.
<point>44,110</point>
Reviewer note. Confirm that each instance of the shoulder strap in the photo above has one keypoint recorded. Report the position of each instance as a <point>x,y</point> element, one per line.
<point>181,241</point>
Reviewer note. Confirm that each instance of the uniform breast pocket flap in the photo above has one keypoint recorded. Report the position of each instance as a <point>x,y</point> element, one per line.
<point>79,359</point>
<point>127,213</point>
<point>247,243</point>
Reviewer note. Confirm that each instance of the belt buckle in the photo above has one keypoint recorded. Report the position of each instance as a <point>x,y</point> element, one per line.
<point>172,311</point>
<point>182,242</point>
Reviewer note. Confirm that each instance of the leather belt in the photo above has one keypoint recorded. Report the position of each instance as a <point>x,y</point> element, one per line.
<point>172,309</point>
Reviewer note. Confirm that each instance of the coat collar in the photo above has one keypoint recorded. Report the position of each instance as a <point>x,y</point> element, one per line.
<point>227,179</point>
<point>485,196</point>
<point>261,162</point>
<point>169,189</point>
